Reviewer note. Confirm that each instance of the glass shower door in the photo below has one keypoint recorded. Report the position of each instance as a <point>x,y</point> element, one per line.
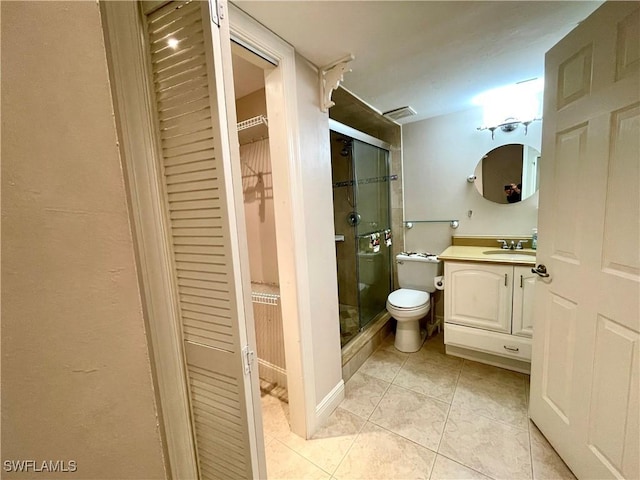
<point>371,185</point>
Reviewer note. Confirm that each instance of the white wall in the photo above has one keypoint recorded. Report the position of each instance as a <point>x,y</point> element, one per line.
<point>257,188</point>
<point>439,154</point>
<point>76,374</point>
<point>317,190</point>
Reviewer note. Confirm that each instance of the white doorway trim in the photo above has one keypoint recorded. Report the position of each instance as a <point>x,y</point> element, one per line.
<point>284,141</point>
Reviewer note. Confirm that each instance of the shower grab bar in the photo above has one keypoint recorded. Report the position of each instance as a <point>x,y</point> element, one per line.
<point>265,298</point>
<point>252,122</point>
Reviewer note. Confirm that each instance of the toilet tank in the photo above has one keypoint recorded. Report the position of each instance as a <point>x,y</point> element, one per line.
<point>417,271</point>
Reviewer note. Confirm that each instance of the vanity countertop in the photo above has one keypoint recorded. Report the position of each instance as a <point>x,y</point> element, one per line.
<point>465,253</point>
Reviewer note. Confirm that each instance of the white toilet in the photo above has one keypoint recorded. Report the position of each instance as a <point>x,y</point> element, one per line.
<point>416,273</point>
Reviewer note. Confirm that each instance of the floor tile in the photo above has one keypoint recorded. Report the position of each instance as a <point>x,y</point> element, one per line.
<point>446,469</point>
<point>388,343</point>
<point>428,379</point>
<point>380,454</point>
<point>384,364</point>
<point>490,373</point>
<point>492,448</point>
<point>547,465</point>
<point>362,393</point>
<point>435,342</point>
<point>285,464</point>
<point>434,356</point>
<point>474,414</point>
<point>412,415</point>
<point>331,442</point>
<point>499,401</point>
<point>275,416</point>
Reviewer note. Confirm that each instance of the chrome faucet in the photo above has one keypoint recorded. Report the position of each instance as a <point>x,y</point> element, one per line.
<point>512,245</point>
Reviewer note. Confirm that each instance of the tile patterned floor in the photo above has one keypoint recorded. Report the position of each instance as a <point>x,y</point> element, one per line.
<point>424,415</point>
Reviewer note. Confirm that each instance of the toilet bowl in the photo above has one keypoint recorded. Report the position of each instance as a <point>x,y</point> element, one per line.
<point>410,303</point>
<point>408,306</point>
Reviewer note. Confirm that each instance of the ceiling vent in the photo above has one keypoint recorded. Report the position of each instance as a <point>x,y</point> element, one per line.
<point>398,113</point>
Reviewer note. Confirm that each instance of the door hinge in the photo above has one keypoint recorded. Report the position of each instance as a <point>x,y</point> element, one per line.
<point>247,359</point>
<point>217,11</point>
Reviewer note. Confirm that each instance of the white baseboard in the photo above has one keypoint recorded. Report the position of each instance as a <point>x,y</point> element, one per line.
<point>328,404</point>
<point>272,373</point>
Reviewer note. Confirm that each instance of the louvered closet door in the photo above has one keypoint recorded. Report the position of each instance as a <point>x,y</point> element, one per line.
<point>199,211</point>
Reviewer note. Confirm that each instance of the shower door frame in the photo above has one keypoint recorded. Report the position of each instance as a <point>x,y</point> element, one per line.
<point>376,142</point>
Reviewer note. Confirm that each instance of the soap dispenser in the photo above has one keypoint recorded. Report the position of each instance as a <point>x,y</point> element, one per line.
<point>534,239</point>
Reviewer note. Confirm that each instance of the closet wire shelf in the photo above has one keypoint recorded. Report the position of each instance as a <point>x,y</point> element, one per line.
<point>252,122</point>
<point>265,298</point>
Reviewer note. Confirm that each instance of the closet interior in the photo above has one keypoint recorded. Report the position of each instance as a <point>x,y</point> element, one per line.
<point>257,187</point>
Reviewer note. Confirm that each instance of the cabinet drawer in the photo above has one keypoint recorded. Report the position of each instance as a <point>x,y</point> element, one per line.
<point>489,342</point>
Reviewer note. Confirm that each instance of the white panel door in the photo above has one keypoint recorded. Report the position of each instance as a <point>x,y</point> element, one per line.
<point>479,295</point>
<point>584,379</point>
<point>189,63</point>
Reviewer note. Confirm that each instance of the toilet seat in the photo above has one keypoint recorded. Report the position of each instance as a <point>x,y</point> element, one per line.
<point>406,299</point>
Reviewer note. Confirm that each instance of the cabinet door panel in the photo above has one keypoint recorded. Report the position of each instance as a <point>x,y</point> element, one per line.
<point>479,295</point>
<point>524,283</point>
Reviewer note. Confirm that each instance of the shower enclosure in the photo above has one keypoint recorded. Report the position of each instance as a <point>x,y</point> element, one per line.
<point>360,171</point>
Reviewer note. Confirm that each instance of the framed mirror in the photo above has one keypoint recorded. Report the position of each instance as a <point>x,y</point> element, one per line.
<point>508,174</point>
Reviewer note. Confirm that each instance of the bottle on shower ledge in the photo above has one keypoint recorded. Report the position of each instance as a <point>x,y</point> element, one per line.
<point>534,239</point>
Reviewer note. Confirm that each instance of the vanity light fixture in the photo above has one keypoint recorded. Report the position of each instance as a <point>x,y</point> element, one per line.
<point>508,107</point>
<point>509,125</point>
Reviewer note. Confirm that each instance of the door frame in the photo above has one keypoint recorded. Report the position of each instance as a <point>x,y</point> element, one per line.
<point>284,146</point>
<point>139,149</point>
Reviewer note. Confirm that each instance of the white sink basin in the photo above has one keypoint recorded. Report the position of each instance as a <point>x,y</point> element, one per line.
<point>511,255</point>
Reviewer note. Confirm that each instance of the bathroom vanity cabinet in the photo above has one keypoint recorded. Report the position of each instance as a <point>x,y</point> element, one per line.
<point>489,311</point>
<point>491,297</point>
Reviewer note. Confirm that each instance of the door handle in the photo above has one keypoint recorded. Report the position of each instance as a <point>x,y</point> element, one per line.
<point>540,270</point>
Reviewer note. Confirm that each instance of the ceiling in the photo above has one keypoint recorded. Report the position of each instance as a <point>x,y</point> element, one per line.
<point>433,56</point>
<point>247,77</point>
